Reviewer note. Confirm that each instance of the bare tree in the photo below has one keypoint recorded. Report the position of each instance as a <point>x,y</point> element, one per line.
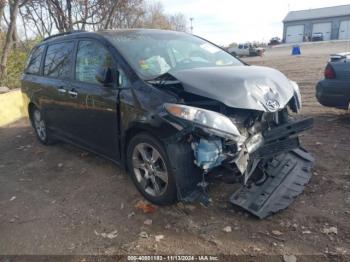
<point>46,16</point>
<point>121,13</point>
<point>15,37</point>
<point>178,22</point>
<point>3,4</point>
<point>14,6</point>
<point>155,17</point>
<point>36,17</point>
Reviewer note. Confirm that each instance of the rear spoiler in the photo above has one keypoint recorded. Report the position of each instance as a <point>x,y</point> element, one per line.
<point>339,56</point>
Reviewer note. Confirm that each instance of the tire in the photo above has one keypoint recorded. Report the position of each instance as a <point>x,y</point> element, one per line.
<point>40,127</point>
<point>150,170</point>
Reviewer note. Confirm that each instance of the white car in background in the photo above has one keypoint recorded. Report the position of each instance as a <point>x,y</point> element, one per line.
<point>246,49</point>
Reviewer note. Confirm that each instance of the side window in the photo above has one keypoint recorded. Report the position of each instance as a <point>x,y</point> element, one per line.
<point>90,57</point>
<point>33,66</point>
<point>58,60</point>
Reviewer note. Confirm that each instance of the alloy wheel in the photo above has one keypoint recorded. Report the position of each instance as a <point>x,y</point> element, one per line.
<point>39,125</point>
<point>150,169</point>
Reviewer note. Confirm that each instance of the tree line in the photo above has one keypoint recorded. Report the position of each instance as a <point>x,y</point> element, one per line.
<point>37,19</point>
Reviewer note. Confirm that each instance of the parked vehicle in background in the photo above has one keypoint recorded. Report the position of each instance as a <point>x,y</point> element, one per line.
<point>317,37</point>
<point>175,111</point>
<point>334,89</point>
<point>246,49</point>
<point>275,41</point>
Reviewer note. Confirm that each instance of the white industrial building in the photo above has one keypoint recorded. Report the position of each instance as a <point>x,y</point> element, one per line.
<point>333,22</point>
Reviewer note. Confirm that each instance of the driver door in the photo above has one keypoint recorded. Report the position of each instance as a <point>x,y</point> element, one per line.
<point>93,107</point>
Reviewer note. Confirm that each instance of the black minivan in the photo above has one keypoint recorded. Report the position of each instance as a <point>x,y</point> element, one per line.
<point>174,110</point>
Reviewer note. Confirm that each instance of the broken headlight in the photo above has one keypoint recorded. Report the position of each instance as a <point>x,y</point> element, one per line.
<point>206,118</point>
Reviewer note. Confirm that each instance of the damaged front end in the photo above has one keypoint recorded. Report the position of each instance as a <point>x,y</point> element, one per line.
<point>258,149</point>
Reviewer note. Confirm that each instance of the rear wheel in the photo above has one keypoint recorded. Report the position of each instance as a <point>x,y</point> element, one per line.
<point>40,127</point>
<point>150,170</point>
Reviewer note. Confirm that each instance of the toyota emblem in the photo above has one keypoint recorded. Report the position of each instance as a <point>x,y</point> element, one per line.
<point>272,105</point>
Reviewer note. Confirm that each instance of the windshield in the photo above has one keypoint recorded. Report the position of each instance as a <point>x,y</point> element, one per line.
<point>152,53</point>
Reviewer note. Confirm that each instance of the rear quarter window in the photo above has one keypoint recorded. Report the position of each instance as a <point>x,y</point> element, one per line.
<point>34,60</point>
<point>58,60</point>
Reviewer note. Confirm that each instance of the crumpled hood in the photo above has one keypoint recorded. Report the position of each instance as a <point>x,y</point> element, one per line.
<point>246,87</point>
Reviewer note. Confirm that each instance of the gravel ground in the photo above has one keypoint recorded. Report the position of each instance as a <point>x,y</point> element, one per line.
<point>61,200</point>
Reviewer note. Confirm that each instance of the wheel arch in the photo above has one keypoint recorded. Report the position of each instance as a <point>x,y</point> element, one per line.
<point>31,107</point>
<point>158,132</point>
<point>187,174</point>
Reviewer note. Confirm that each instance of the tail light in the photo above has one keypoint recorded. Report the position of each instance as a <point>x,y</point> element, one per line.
<point>329,72</point>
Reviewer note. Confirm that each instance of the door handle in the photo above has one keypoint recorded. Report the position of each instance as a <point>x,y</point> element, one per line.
<point>73,93</point>
<point>61,90</point>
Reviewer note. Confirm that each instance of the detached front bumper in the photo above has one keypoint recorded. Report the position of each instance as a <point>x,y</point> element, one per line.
<point>282,138</point>
<point>287,171</point>
<point>287,174</point>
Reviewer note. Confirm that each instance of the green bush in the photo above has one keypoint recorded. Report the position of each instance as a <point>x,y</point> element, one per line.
<point>15,65</point>
<point>16,61</point>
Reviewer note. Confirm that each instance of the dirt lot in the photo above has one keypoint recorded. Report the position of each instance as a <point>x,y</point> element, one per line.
<point>58,199</point>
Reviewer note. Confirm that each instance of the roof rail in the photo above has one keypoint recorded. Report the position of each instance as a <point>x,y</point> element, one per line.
<point>64,33</point>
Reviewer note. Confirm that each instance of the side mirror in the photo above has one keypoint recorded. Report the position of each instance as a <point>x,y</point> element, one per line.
<point>104,75</point>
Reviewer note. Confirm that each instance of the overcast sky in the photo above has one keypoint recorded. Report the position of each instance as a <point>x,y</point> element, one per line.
<point>227,21</point>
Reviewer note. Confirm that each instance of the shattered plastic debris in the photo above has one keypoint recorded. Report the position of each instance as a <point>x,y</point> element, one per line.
<point>110,235</point>
<point>227,229</point>
<point>143,234</point>
<point>131,214</point>
<point>146,207</point>
<point>148,222</point>
<point>330,230</point>
<point>159,237</point>
<point>190,207</point>
<point>277,233</point>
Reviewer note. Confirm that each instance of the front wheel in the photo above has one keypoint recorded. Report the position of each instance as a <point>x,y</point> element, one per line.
<point>150,170</point>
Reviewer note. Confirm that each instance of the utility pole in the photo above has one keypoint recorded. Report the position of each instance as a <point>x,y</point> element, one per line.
<point>191,19</point>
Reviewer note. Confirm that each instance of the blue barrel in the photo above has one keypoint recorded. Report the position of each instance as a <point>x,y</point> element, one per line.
<point>296,50</point>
